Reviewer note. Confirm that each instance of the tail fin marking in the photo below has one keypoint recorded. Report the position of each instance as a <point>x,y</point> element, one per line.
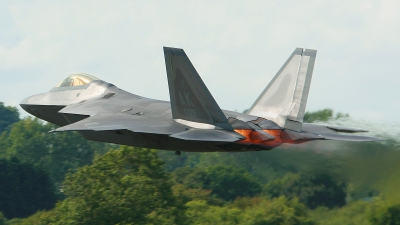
<point>191,101</point>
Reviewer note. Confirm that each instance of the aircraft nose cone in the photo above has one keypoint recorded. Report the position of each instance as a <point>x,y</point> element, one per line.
<point>25,104</point>
<point>30,102</point>
<point>33,100</point>
<point>25,101</point>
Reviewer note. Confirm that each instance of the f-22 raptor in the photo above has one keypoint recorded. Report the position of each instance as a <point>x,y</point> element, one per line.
<point>192,121</point>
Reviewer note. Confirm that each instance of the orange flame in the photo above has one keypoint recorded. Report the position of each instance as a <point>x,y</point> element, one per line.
<point>254,137</point>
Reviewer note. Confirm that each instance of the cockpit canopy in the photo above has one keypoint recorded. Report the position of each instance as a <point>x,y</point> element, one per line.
<point>77,80</point>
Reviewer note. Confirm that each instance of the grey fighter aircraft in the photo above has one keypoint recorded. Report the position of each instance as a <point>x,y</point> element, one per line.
<point>192,121</point>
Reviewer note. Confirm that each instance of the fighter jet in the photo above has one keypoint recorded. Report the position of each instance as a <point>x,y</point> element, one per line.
<point>192,121</point>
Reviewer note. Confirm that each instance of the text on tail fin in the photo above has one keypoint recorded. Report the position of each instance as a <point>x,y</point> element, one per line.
<point>191,101</point>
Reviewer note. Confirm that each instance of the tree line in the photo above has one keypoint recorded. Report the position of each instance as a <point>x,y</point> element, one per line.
<point>60,178</point>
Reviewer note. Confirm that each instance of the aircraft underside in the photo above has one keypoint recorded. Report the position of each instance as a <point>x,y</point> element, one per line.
<point>157,141</point>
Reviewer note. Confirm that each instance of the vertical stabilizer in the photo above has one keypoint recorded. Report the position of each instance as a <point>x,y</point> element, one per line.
<point>191,102</point>
<point>284,99</point>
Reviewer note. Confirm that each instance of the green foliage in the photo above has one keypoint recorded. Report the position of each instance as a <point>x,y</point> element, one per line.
<point>172,162</point>
<point>225,182</point>
<point>129,186</point>
<point>248,211</point>
<point>39,218</point>
<point>8,116</point>
<point>312,189</point>
<point>263,166</point>
<point>230,182</point>
<point>24,189</point>
<point>3,220</point>
<point>185,195</point>
<point>373,168</point>
<point>389,215</point>
<point>29,141</point>
<point>322,116</point>
<point>278,211</point>
<point>124,186</point>
<point>355,213</point>
<point>200,213</point>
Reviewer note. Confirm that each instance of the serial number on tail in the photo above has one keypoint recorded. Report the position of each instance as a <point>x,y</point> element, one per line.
<point>189,112</point>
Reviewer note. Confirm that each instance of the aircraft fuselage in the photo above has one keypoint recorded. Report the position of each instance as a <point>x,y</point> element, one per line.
<point>103,98</point>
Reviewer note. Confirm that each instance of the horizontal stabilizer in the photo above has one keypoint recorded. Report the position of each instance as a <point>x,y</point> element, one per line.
<point>122,121</point>
<point>343,137</point>
<point>319,128</point>
<point>191,102</point>
<point>209,135</point>
<point>345,129</point>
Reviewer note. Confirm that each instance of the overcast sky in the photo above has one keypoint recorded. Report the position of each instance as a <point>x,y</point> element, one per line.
<point>236,46</point>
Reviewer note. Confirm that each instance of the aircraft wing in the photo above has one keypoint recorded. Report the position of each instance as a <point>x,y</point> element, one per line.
<point>121,121</point>
<point>344,137</point>
<point>136,123</point>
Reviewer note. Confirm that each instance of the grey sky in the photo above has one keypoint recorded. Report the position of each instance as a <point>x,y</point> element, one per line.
<point>236,46</point>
